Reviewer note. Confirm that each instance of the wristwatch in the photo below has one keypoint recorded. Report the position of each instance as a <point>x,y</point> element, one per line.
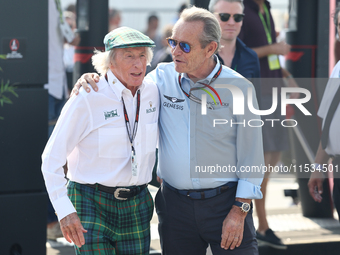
<point>245,207</point>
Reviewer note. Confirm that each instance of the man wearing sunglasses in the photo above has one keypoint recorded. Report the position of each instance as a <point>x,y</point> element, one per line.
<point>234,53</point>
<point>258,32</point>
<point>197,210</point>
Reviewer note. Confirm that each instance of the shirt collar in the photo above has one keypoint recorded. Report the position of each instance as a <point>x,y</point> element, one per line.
<point>210,76</point>
<point>118,87</point>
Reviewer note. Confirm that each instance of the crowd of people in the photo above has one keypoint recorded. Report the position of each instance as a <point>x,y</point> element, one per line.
<point>107,135</point>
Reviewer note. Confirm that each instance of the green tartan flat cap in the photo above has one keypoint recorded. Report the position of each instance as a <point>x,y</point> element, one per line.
<point>125,37</point>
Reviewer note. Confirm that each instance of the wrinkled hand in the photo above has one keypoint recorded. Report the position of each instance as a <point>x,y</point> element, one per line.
<point>315,185</point>
<point>281,48</point>
<point>91,78</point>
<point>232,230</point>
<point>72,229</point>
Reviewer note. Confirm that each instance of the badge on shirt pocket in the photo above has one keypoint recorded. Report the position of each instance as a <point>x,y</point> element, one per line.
<point>134,164</point>
<point>274,63</point>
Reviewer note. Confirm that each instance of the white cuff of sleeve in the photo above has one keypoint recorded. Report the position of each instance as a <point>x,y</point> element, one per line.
<point>248,190</point>
<point>63,207</point>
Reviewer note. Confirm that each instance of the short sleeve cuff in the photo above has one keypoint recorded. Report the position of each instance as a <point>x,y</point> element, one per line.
<point>248,190</point>
<point>63,207</point>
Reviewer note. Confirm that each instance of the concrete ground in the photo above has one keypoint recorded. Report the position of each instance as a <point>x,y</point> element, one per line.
<point>302,235</point>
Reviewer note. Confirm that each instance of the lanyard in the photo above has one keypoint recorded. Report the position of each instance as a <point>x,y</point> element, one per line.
<point>57,2</point>
<point>197,100</point>
<point>267,26</point>
<point>127,122</point>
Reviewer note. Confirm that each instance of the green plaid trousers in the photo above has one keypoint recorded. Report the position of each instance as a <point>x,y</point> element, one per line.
<point>114,226</point>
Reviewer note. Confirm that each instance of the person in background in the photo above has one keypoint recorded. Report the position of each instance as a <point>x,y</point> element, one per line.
<point>281,36</point>
<point>179,12</point>
<point>56,86</point>
<point>109,142</point>
<point>68,56</point>
<point>329,146</point>
<point>234,53</point>
<point>71,8</point>
<point>336,20</point>
<point>164,54</point>
<point>258,33</point>
<point>152,32</point>
<point>114,19</point>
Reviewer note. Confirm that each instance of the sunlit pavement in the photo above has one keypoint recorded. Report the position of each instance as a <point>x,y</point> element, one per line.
<point>302,235</point>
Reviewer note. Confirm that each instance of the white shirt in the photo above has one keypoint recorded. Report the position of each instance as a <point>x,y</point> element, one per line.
<point>91,133</point>
<point>68,57</point>
<point>333,146</point>
<point>57,84</point>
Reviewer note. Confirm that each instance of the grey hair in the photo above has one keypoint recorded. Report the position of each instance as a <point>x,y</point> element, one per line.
<point>335,15</point>
<point>214,2</point>
<point>101,60</point>
<point>211,30</point>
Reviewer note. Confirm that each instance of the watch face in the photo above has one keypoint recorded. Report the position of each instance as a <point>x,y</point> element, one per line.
<point>245,207</point>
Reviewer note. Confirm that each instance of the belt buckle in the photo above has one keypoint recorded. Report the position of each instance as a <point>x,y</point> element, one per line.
<point>116,193</point>
<point>195,192</point>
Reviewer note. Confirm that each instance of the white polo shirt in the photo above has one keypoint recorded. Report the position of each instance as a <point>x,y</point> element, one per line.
<point>91,135</point>
<point>333,146</point>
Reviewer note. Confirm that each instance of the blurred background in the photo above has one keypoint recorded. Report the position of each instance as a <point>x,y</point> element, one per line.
<point>134,13</point>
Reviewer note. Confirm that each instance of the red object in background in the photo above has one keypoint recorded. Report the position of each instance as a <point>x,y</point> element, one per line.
<point>294,55</point>
<point>14,45</point>
<point>83,54</point>
<point>82,57</point>
<point>289,111</point>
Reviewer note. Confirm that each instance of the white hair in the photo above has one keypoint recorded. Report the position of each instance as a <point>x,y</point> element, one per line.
<point>101,60</point>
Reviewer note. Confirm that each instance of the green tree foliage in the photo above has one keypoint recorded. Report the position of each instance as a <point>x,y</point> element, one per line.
<point>6,89</point>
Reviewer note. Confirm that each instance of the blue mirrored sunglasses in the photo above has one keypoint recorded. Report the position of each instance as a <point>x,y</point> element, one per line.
<point>185,47</point>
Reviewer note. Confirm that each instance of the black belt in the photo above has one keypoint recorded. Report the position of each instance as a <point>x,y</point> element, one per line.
<point>120,193</point>
<point>204,193</point>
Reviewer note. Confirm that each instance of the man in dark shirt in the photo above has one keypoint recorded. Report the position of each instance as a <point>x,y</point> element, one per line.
<point>258,33</point>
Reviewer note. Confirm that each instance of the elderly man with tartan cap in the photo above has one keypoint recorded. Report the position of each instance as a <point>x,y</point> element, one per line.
<point>106,207</point>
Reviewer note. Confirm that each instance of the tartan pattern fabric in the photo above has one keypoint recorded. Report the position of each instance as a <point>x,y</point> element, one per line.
<point>125,37</point>
<point>114,226</point>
